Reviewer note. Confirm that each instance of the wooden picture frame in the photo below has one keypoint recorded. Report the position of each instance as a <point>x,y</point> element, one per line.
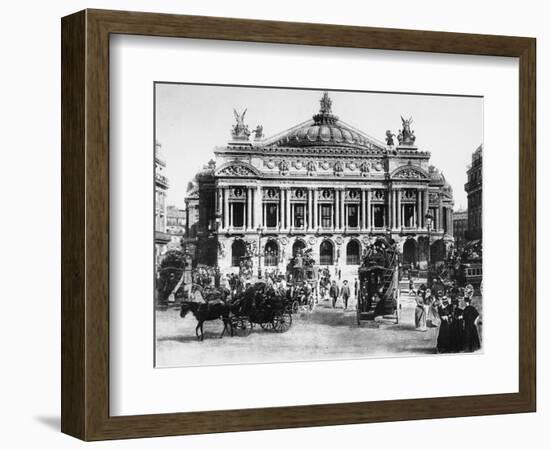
<point>85,224</point>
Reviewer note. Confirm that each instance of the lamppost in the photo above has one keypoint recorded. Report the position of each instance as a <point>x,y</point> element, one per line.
<point>260,229</point>
<point>429,219</point>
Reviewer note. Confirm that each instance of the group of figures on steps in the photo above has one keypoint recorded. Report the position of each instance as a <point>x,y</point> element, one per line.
<point>458,327</point>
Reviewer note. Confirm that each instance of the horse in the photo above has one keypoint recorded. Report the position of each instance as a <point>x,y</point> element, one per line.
<point>205,312</point>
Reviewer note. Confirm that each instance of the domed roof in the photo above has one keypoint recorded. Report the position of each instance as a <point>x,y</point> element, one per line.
<point>324,129</point>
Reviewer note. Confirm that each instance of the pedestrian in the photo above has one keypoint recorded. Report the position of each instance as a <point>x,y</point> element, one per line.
<point>456,328</point>
<point>334,293</point>
<point>356,288</point>
<point>471,321</point>
<point>411,286</point>
<point>420,314</point>
<point>431,304</point>
<point>444,335</point>
<point>345,293</point>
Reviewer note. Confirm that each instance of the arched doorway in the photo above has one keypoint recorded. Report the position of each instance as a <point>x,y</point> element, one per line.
<point>297,246</point>
<point>326,253</point>
<point>409,252</point>
<point>238,251</point>
<point>353,253</point>
<point>437,251</point>
<point>271,253</point>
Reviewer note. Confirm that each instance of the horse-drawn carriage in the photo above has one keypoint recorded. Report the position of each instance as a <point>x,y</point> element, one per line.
<point>260,305</point>
<point>378,281</point>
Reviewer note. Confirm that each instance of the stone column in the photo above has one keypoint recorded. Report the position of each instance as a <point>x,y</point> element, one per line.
<point>281,209</point>
<point>315,212</point>
<point>418,209</point>
<point>363,210</point>
<point>344,214</point>
<point>336,209</point>
<point>367,209</point>
<point>309,209</point>
<point>390,208</point>
<point>225,208</point>
<point>217,201</point>
<point>425,206</point>
<point>398,208</point>
<point>249,208</point>
<point>396,211</point>
<point>287,213</point>
<point>258,207</point>
<point>440,218</point>
<point>342,209</point>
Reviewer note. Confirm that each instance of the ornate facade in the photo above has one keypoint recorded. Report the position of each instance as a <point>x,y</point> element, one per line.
<point>474,190</point>
<point>161,185</point>
<point>322,185</point>
<point>460,226</point>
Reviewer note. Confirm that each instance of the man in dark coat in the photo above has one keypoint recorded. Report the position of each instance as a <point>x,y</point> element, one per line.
<point>333,293</point>
<point>346,294</point>
<point>457,327</point>
<point>444,336</point>
<point>471,319</point>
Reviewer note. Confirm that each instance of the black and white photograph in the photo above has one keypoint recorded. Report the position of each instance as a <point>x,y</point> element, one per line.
<point>297,224</point>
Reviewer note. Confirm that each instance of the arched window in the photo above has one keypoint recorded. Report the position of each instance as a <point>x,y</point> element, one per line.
<point>353,253</point>
<point>271,254</point>
<point>326,253</point>
<point>238,250</point>
<point>298,245</point>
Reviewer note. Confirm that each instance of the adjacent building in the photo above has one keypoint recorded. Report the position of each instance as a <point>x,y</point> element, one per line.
<point>175,226</point>
<point>460,226</point>
<point>161,186</point>
<point>321,185</point>
<point>473,188</point>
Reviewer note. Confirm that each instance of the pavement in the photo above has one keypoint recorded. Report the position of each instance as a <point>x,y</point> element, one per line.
<point>324,333</point>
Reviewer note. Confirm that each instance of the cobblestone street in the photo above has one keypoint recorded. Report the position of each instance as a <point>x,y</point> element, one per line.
<point>324,333</point>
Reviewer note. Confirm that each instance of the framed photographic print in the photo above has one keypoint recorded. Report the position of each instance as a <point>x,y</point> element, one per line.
<point>270,225</point>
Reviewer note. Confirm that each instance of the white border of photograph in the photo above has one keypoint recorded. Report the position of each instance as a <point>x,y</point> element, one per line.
<point>136,387</point>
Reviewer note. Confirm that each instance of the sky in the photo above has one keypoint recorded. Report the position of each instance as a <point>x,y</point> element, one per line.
<point>191,120</point>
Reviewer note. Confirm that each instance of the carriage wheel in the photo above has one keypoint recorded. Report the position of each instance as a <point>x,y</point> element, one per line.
<point>242,327</point>
<point>295,306</point>
<point>282,322</point>
<point>267,326</point>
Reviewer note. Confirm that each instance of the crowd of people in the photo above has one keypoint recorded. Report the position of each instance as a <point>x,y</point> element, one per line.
<point>442,305</point>
<point>309,292</point>
<point>458,325</point>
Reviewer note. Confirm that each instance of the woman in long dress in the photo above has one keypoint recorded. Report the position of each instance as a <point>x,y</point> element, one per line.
<point>444,336</point>
<point>420,314</point>
<point>431,305</point>
<point>471,320</point>
<point>457,327</point>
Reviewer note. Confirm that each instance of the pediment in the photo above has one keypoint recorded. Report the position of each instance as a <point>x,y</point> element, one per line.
<point>409,172</point>
<point>237,169</point>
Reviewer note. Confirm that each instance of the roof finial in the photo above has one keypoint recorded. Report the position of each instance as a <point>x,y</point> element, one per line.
<point>326,104</point>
